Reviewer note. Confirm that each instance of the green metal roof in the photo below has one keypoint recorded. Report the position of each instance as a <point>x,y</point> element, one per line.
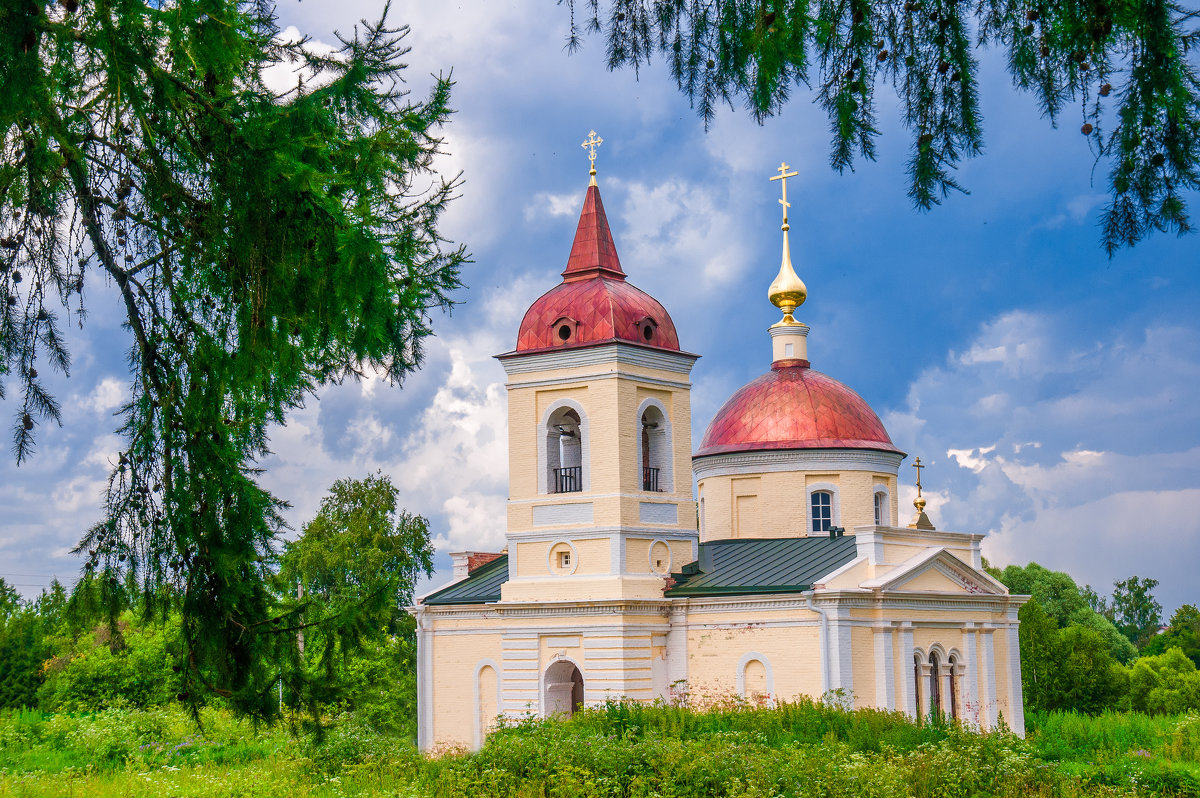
<point>481,587</point>
<point>762,565</point>
<point>725,568</point>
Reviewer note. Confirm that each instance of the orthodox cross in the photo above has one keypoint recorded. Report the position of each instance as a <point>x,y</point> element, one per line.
<point>590,144</point>
<point>917,465</point>
<point>783,175</point>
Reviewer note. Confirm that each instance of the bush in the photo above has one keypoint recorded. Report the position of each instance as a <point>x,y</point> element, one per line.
<point>1165,684</point>
<point>135,666</point>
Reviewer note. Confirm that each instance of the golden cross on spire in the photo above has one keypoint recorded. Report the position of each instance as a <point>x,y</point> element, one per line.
<point>783,175</point>
<point>920,520</point>
<point>590,144</point>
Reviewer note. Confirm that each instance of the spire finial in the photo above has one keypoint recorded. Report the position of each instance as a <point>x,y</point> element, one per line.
<point>920,520</point>
<point>788,291</point>
<point>590,144</point>
<point>783,175</point>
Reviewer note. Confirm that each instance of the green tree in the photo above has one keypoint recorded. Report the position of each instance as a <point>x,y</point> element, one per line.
<point>261,245</point>
<point>1125,64</point>
<point>23,649</point>
<point>1038,636</point>
<point>357,560</point>
<point>27,640</point>
<point>1057,594</point>
<point>1182,633</point>
<point>10,601</point>
<point>1067,669</point>
<point>1164,684</point>
<point>1055,591</point>
<point>1135,611</point>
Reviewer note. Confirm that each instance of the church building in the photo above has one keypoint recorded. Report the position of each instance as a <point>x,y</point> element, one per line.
<point>770,562</point>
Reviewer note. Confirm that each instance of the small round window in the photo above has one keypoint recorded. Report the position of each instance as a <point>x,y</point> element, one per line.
<point>647,328</point>
<point>564,332</point>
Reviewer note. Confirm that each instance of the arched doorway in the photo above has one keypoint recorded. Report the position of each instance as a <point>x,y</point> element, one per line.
<point>564,689</point>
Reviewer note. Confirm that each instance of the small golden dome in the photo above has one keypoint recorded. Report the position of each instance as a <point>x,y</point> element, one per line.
<point>787,291</point>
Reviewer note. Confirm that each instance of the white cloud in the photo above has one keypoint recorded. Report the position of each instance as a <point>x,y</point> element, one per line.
<point>1077,468</point>
<point>547,205</point>
<point>973,459</point>
<point>108,395</point>
<point>677,227</point>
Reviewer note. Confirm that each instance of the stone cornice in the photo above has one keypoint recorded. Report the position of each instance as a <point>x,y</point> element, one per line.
<point>823,460</point>
<point>597,355</point>
<point>924,538</point>
<point>844,599</point>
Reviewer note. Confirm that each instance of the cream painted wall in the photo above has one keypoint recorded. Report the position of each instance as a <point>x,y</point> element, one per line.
<point>780,503</point>
<point>455,659</point>
<point>715,649</point>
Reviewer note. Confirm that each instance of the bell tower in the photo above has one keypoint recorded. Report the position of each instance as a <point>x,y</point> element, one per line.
<point>600,501</point>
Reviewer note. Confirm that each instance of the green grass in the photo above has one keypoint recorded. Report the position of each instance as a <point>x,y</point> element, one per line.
<point>800,748</point>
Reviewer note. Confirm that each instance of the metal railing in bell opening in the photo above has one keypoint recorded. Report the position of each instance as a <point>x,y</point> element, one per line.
<point>568,480</point>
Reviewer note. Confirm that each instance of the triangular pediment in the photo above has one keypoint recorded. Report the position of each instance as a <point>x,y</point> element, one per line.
<point>936,571</point>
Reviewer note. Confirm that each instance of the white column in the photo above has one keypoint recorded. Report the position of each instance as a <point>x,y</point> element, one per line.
<point>927,704</point>
<point>841,650</point>
<point>1016,695</point>
<point>885,668</point>
<point>970,678</point>
<point>424,682</point>
<point>907,693</point>
<point>677,653</point>
<point>988,666</point>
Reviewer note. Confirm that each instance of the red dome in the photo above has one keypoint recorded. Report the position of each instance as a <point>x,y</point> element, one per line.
<point>593,311</point>
<point>593,304</point>
<point>794,407</point>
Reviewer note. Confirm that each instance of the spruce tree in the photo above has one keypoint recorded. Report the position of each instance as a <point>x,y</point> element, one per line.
<point>260,244</point>
<point>1129,67</point>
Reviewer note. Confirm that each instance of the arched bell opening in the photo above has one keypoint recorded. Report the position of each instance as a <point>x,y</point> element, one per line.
<point>565,434</point>
<point>654,448</point>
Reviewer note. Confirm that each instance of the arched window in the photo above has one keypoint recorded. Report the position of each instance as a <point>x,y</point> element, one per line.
<point>935,686</point>
<point>917,683</point>
<point>881,508</point>
<point>755,680</point>
<point>654,448</point>
<point>822,510</point>
<point>952,694</point>
<point>487,699</point>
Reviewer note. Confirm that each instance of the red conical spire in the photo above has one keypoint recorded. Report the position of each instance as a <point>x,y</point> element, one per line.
<point>593,254</point>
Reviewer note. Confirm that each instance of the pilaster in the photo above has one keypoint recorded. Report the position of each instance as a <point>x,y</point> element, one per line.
<point>885,668</point>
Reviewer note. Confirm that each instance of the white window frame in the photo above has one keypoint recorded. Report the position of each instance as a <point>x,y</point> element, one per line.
<point>885,505</point>
<point>835,506</point>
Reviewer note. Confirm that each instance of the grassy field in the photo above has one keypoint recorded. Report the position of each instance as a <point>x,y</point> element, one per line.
<point>619,750</point>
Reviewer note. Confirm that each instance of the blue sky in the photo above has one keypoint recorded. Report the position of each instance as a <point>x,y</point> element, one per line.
<point>1051,390</point>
